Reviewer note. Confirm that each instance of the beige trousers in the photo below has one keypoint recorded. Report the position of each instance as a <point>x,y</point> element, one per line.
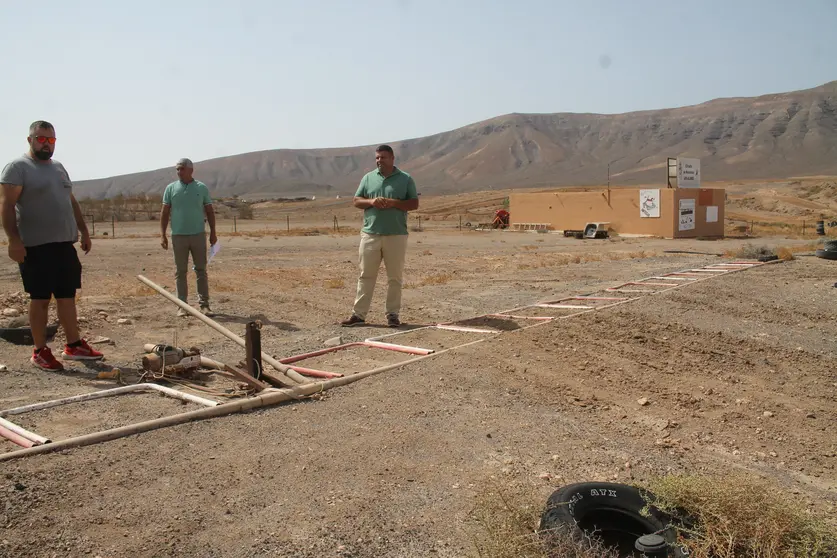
<point>392,249</point>
<point>183,245</point>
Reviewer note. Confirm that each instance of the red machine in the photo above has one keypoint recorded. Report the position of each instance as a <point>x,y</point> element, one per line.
<point>501,219</point>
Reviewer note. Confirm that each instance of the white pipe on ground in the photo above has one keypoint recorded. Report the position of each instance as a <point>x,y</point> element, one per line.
<point>20,431</point>
<point>266,398</point>
<point>109,393</point>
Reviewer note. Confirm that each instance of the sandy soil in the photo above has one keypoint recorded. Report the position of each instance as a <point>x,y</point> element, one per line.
<point>738,372</point>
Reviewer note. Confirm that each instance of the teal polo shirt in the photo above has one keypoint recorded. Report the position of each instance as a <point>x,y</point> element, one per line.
<point>397,186</point>
<point>186,202</point>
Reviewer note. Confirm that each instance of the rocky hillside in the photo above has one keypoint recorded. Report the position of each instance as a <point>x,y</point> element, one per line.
<point>772,136</point>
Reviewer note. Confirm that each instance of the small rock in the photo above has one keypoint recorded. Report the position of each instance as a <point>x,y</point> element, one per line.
<point>124,321</point>
<point>768,414</point>
<point>544,476</point>
<point>81,319</point>
<point>643,401</point>
<point>811,415</point>
<point>774,454</point>
<point>99,340</point>
<point>3,368</point>
<point>333,342</point>
<point>11,312</point>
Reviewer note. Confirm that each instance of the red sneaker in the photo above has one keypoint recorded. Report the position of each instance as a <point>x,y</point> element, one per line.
<point>82,352</point>
<point>44,360</point>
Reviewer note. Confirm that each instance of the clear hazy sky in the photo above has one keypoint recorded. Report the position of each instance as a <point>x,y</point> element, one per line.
<point>133,86</point>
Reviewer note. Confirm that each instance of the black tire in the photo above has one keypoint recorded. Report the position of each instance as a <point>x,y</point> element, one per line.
<point>826,254</point>
<point>830,246</point>
<point>768,258</point>
<point>611,510</point>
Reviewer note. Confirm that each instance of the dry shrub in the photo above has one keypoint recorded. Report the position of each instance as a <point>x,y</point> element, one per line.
<point>737,515</point>
<point>504,524</point>
<point>753,252</point>
<point>436,279</point>
<point>529,247</point>
<point>334,283</point>
<point>785,253</point>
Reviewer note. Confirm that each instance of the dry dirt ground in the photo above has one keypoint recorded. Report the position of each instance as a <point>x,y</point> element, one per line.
<point>738,372</point>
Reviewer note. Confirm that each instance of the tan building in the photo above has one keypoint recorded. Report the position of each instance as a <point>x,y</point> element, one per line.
<point>663,212</point>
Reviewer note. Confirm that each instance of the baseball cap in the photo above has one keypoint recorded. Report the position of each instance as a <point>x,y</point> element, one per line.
<point>185,163</point>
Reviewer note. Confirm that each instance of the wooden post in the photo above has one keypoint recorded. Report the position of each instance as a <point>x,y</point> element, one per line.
<point>288,221</point>
<point>253,348</point>
<point>235,224</point>
<point>93,220</point>
<point>803,227</point>
<point>112,226</point>
<point>460,222</point>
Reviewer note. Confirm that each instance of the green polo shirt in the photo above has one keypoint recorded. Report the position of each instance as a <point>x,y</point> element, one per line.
<point>186,202</point>
<point>397,186</point>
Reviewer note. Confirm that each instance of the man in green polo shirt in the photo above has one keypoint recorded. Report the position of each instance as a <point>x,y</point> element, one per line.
<point>186,201</point>
<point>385,195</point>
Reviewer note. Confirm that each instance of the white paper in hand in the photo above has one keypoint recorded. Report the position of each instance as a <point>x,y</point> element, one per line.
<point>214,249</point>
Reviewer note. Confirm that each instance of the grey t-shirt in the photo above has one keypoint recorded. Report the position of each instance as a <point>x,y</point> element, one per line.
<point>44,210</point>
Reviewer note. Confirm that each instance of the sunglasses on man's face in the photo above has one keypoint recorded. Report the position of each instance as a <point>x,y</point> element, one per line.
<point>44,139</point>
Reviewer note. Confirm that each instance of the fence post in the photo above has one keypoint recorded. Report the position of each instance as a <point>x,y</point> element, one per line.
<point>93,219</point>
<point>288,221</point>
<point>235,225</point>
<point>803,227</point>
<point>460,222</point>
<point>112,226</point>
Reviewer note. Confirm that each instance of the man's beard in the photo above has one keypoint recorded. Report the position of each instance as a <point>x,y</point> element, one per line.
<point>43,155</point>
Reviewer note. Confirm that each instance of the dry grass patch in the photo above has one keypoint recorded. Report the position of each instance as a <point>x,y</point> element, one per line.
<point>504,524</point>
<point>334,283</point>
<point>718,517</point>
<point>739,515</point>
<point>436,279</point>
<point>750,252</point>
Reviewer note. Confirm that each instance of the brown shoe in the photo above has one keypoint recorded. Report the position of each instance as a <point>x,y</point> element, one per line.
<point>353,321</point>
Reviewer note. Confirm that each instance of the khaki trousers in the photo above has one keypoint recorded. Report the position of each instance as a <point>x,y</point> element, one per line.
<point>374,248</point>
<point>182,246</point>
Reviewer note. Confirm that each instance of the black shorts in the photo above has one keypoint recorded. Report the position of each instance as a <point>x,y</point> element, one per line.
<point>51,270</point>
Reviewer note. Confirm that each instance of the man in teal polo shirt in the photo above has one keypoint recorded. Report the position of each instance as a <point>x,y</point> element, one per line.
<point>385,195</point>
<point>186,202</point>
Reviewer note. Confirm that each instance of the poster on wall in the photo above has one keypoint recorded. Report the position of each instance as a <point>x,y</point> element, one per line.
<point>712,214</point>
<point>687,215</point>
<point>649,203</point>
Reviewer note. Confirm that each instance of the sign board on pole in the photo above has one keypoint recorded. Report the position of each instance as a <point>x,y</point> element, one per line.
<point>688,173</point>
<point>687,215</point>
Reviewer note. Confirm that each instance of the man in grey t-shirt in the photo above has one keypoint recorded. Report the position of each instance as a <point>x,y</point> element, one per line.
<point>42,220</point>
